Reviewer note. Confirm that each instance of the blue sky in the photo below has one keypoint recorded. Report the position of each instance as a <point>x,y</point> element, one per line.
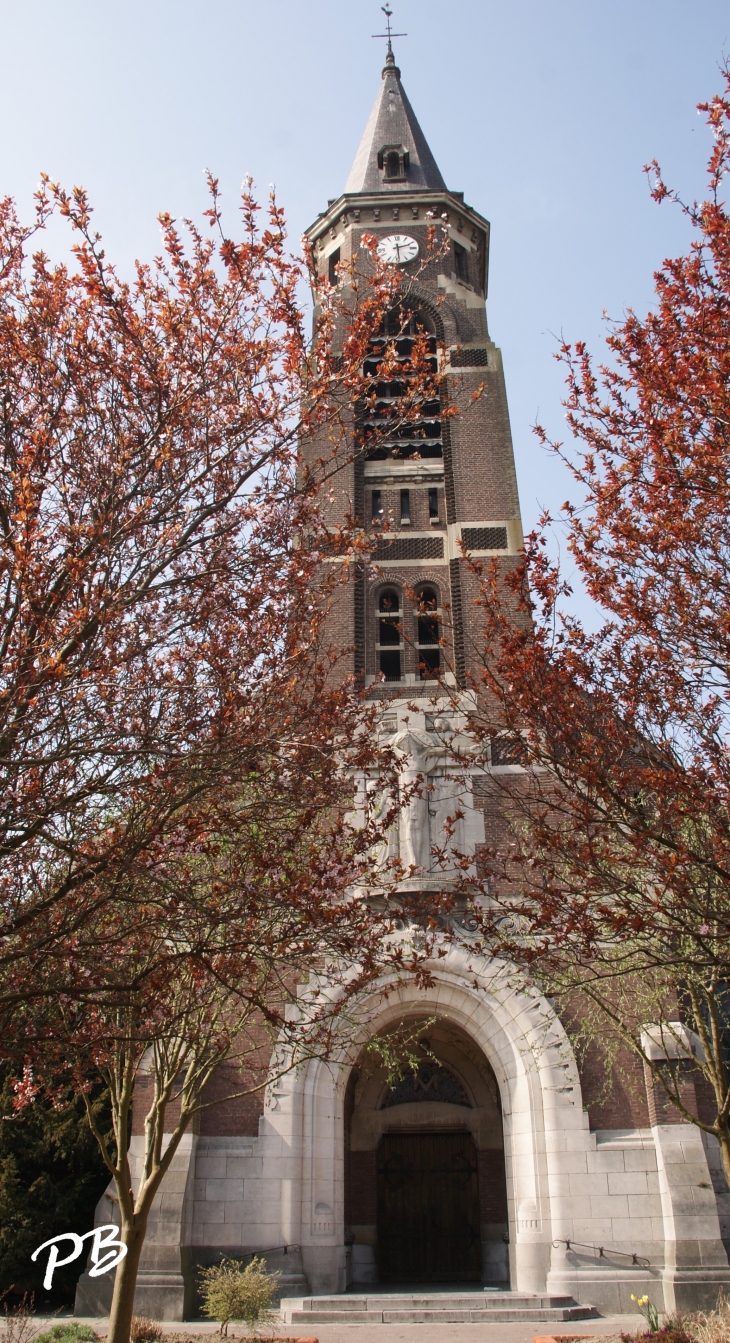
<point>542,113</point>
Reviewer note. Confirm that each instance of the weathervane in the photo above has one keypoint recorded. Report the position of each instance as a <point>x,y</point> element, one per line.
<point>389,34</point>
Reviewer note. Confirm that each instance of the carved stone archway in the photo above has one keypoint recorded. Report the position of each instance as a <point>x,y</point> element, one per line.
<point>520,1036</point>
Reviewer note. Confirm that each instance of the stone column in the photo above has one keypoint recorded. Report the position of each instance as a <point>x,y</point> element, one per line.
<point>165,1284</point>
<point>695,1262</point>
<point>322,1202</point>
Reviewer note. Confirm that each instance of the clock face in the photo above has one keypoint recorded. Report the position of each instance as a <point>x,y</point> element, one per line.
<point>397,248</point>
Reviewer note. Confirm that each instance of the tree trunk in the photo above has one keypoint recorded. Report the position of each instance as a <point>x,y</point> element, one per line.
<point>723,1137</point>
<point>125,1282</point>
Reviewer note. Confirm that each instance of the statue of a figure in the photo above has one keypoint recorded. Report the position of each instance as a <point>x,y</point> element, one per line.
<point>447,828</point>
<point>421,753</point>
<point>386,848</point>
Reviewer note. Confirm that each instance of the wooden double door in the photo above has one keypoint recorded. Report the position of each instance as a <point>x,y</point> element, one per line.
<point>428,1208</point>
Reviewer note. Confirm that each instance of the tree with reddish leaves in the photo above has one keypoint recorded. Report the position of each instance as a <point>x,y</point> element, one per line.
<point>234,955</point>
<point>614,876</point>
<point>158,549</point>
<point>178,746</point>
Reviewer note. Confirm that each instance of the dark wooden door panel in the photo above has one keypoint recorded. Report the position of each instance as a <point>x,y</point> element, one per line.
<point>428,1208</point>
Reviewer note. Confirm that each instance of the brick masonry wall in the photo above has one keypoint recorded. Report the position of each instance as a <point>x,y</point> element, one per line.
<point>475,652</point>
<point>340,633</point>
<point>695,1093</point>
<point>238,1117</point>
<point>485,483</point>
<point>619,1091</point>
<point>613,1093</point>
<point>143,1095</point>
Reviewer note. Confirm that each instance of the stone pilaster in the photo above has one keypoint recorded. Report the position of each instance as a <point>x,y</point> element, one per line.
<point>695,1262</point>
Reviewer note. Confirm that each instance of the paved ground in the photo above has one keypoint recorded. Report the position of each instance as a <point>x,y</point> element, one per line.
<point>416,1333</point>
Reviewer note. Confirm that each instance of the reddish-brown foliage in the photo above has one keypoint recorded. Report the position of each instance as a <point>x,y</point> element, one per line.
<point>177,757</point>
<point>157,551</point>
<point>619,865</point>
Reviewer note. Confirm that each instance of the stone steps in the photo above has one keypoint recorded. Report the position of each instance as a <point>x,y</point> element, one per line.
<point>432,1308</point>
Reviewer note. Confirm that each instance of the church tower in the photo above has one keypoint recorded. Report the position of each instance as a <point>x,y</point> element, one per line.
<point>556,1158</point>
<point>445,482</point>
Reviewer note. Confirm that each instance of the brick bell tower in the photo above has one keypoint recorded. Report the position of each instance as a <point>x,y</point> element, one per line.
<point>448,480</point>
<point>439,483</point>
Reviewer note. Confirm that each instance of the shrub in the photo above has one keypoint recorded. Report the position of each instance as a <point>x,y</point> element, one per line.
<point>144,1331</point>
<point>231,1292</point>
<point>704,1326</point>
<point>669,1333</point>
<point>68,1333</point>
<point>18,1324</point>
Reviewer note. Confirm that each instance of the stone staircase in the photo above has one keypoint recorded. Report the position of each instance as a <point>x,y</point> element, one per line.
<point>432,1308</point>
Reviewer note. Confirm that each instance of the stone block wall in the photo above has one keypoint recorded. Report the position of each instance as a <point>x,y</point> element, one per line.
<point>656,1191</point>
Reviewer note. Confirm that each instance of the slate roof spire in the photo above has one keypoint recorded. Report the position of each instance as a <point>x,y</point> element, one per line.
<point>393,128</point>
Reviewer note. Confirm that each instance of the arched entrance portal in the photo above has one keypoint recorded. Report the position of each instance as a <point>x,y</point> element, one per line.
<point>425,1187</point>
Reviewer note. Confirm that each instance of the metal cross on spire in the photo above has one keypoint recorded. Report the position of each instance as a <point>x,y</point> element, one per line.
<point>389,33</point>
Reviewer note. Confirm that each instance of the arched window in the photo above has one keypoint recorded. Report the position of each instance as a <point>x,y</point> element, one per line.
<point>429,1081</point>
<point>388,634</point>
<point>428,633</point>
<point>386,431</point>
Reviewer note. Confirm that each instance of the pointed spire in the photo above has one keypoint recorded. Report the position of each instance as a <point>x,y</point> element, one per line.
<point>393,127</point>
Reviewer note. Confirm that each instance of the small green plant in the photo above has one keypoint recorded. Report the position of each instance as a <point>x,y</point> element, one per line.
<point>20,1326</point>
<point>231,1292</point>
<point>649,1311</point>
<point>70,1332</point>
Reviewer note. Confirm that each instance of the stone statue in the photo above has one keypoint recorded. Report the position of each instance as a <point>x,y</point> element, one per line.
<point>386,850</point>
<point>421,753</point>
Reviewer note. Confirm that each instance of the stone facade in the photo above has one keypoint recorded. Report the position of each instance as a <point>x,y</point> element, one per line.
<point>572,1184</point>
<point>646,1190</point>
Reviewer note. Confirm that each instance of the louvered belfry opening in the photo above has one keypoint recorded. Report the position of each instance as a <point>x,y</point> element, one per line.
<point>428,633</point>
<point>385,431</point>
<point>389,635</point>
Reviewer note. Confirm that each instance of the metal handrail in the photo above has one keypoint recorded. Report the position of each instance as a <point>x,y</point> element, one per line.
<point>272,1249</point>
<point>602,1251</point>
